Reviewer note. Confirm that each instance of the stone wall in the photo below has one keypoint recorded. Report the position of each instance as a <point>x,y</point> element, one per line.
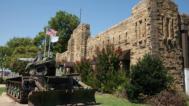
<point>154,28</point>
<point>131,35</point>
<point>78,43</point>
<point>165,37</point>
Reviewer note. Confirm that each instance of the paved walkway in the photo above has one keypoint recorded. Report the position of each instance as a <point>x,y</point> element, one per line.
<point>7,101</point>
<point>2,85</point>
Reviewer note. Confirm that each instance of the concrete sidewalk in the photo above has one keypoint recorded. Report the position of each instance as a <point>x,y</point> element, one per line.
<point>7,101</point>
<point>2,85</point>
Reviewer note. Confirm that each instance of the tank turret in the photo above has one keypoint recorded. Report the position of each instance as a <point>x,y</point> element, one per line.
<point>44,66</point>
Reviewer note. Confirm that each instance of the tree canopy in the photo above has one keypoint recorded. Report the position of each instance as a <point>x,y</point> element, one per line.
<point>19,48</point>
<point>4,51</point>
<point>40,39</point>
<point>64,23</point>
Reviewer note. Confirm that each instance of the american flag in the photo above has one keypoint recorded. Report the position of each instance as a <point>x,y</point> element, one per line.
<point>51,32</point>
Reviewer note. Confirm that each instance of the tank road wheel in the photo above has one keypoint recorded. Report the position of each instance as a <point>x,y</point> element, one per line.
<point>17,95</point>
<point>11,88</point>
<point>7,91</point>
<point>15,91</point>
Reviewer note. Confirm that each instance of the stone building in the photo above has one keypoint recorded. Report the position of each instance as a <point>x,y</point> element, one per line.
<point>155,27</point>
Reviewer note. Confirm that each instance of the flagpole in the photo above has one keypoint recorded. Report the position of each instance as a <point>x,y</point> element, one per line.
<point>49,47</point>
<point>45,42</point>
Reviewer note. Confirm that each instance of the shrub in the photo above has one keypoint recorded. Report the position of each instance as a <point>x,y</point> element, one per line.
<point>115,82</point>
<point>107,77</point>
<point>148,77</point>
<point>85,69</point>
<point>122,81</point>
<point>167,98</point>
<point>110,78</point>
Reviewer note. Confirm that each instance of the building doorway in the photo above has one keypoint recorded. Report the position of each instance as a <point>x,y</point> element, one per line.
<point>125,60</point>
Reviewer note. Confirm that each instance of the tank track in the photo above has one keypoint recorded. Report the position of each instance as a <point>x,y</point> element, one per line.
<point>15,91</point>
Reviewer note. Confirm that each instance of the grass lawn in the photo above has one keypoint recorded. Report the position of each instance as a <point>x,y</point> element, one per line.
<point>110,100</point>
<point>188,103</point>
<point>2,89</point>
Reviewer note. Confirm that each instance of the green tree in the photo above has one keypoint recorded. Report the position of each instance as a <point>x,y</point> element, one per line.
<point>4,52</point>
<point>64,23</point>
<point>40,39</point>
<point>20,48</point>
<point>16,42</point>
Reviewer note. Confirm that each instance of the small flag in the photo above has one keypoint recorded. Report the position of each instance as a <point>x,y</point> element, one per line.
<point>54,39</point>
<point>51,32</point>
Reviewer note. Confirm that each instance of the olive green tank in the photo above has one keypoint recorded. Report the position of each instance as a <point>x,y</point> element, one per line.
<point>40,87</point>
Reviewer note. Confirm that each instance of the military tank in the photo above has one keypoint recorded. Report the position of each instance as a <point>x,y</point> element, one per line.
<point>40,87</point>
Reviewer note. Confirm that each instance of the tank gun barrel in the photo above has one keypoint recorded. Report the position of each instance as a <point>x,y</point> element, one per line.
<point>26,59</point>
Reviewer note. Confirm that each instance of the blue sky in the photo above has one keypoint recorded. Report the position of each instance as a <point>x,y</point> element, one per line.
<point>25,18</point>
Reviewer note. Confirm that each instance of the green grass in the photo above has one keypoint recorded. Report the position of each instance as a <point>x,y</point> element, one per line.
<point>2,89</point>
<point>188,103</point>
<point>110,100</point>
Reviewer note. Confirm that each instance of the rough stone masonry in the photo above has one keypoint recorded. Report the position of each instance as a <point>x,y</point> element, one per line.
<point>155,27</point>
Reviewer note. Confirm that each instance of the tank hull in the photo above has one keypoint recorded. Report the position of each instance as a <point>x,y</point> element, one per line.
<point>49,90</point>
<point>40,87</point>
